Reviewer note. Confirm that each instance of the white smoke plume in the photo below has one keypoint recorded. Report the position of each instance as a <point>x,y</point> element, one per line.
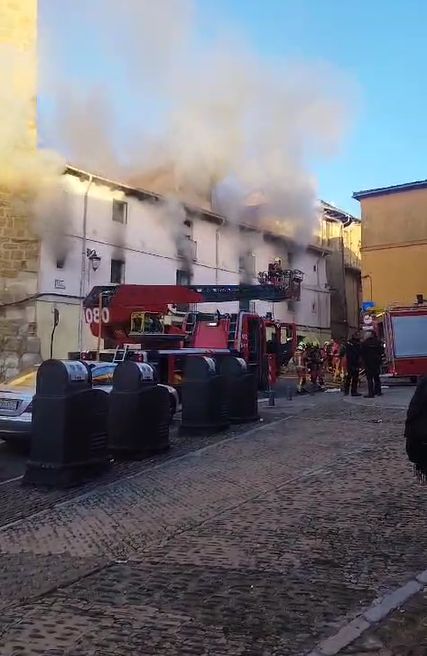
<point>24,170</point>
<point>30,176</point>
<point>209,120</point>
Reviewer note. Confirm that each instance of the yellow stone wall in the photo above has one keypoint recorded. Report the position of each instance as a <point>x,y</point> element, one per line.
<point>18,32</point>
<point>394,247</point>
<point>19,247</point>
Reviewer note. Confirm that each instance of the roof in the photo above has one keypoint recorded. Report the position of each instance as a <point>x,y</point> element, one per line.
<point>393,189</point>
<point>335,213</point>
<point>143,194</point>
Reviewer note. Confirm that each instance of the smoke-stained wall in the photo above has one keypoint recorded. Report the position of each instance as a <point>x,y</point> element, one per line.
<point>150,255</point>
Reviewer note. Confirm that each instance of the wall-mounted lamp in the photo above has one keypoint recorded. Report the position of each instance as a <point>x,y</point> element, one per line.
<point>93,258</point>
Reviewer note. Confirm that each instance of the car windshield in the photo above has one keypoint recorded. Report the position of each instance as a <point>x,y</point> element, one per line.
<point>103,375</point>
<point>23,380</point>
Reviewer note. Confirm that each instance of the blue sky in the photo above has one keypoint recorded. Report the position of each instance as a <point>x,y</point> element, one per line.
<point>380,45</point>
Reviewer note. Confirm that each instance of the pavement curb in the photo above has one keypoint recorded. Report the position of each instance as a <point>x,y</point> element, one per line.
<point>377,611</point>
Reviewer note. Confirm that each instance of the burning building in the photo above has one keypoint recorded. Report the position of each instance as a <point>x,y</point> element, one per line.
<point>65,229</point>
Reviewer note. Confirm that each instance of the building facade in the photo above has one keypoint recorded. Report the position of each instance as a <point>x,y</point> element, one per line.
<point>343,237</point>
<point>139,237</point>
<point>394,243</point>
<point>131,236</point>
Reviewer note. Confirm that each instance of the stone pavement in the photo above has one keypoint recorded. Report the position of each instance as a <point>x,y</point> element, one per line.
<point>263,544</point>
<point>402,633</point>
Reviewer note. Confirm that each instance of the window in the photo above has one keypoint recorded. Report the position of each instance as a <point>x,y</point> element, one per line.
<point>120,211</point>
<point>186,246</point>
<point>314,267</point>
<point>409,336</point>
<point>60,262</point>
<point>188,229</point>
<point>183,277</point>
<point>313,307</point>
<point>103,375</point>
<point>117,271</point>
<point>247,264</point>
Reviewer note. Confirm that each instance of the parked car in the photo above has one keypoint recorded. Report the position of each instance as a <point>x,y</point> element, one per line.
<point>16,400</point>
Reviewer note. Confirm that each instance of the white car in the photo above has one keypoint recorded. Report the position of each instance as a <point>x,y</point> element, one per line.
<point>16,398</point>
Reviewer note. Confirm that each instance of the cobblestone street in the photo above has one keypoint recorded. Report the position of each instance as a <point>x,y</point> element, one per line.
<point>267,542</point>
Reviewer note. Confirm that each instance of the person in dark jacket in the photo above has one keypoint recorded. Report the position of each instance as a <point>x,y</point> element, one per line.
<point>416,430</point>
<point>372,355</point>
<point>351,351</point>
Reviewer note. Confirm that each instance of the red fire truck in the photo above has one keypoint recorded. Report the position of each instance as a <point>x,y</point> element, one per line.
<point>147,322</point>
<point>404,332</point>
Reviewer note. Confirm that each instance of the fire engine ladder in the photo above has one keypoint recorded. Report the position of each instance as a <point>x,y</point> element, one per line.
<point>190,323</point>
<point>234,321</point>
<point>120,353</point>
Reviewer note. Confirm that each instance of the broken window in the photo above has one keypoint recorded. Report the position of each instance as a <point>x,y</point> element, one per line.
<point>120,211</point>
<point>117,272</point>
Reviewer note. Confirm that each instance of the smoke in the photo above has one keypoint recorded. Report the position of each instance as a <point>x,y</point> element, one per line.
<point>23,169</point>
<point>172,213</point>
<point>52,215</point>
<point>31,176</point>
<point>206,121</point>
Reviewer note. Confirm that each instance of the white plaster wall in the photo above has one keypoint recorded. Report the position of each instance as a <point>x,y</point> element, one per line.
<point>146,244</point>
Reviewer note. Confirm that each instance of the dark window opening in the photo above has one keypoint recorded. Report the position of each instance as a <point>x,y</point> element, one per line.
<point>188,228</point>
<point>60,262</point>
<point>117,271</point>
<point>247,263</point>
<point>120,211</point>
<point>183,278</point>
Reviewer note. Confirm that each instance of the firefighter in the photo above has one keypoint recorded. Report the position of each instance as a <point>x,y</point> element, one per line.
<point>299,361</point>
<point>372,355</point>
<point>352,355</point>
<point>327,349</point>
<point>337,361</point>
<point>314,362</point>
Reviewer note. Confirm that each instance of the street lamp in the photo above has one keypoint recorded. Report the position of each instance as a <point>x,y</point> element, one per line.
<point>93,258</point>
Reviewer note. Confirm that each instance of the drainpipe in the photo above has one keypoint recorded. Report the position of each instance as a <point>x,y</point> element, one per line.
<point>319,292</point>
<point>319,295</point>
<point>343,277</point>
<point>83,263</point>
<point>217,232</point>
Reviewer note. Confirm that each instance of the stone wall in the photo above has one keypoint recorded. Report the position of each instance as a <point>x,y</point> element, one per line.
<point>19,254</point>
<point>19,247</point>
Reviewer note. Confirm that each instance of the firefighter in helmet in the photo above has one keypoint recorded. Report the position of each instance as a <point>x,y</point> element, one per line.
<point>315,363</point>
<point>299,361</point>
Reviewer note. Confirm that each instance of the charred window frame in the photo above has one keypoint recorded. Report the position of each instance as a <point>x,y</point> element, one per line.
<point>183,277</point>
<point>188,229</point>
<point>120,211</point>
<point>117,275</point>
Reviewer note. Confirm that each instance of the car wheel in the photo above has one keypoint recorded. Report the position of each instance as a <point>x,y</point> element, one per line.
<point>18,447</point>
